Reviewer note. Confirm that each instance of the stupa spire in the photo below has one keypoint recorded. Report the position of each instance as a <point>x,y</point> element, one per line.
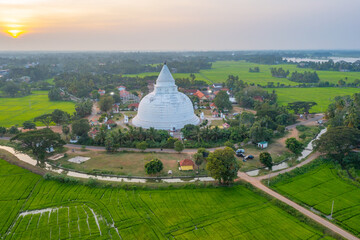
<point>165,78</point>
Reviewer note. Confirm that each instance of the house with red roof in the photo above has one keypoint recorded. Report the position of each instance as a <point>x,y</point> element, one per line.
<point>215,114</point>
<point>134,106</point>
<point>212,106</point>
<point>101,92</point>
<point>186,165</point>
<point>121,88</point>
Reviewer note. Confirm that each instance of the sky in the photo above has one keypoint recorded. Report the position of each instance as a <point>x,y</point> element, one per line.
<point>178,25</point>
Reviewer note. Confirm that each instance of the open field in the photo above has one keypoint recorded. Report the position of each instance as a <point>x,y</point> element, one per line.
<point>17,110</point>
<point>319,187</point>
<point>34,208</point>
<point>123,163</point>
<point>322,96</point>
<point>222,69</point>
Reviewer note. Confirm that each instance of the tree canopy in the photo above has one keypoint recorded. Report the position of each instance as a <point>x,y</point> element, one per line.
<point>222,101</point>
<point>266,159</point>
<point>222,165</point>
<point>337,142</point>
<point>154,166</point>
<point>39,142</point>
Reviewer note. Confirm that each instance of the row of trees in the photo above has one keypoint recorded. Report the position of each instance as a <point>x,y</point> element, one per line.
<point>332,66</point>
<point>279,72</point>
<point>15,89</point>
<point>254,70</point>
<point>305,77</point>
<point>343,134</point>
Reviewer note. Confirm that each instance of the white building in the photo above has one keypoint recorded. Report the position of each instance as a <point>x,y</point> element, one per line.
<point>165,108</point>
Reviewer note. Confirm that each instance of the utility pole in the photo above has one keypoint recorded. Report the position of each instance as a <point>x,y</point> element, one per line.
<point>332,209</point>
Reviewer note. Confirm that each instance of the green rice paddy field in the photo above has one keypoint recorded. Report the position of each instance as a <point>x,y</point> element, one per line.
<point>17,110</point>
<point>34,208</point>
<point>322,96</point>
<point>222,69</point>
<point>319,187</point>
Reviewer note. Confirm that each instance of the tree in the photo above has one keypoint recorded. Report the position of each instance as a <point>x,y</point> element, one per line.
<point>258,133</point>
<point>95,94</point>
<point>46,119</point>
<point>337,142</point>
<point>222,101</point>
<point>11,88</point>
<point>80,127</point>
<point>13,130</point>
<point>301,106</point>
<point>179,146</point>
<point>199,159</point>
<point>294,145</point>
<point>141,146</point>
<point>29,125</point>
<point>54,94</point>
<point>39,142</point>
<point>205,153</point>
<point>154,166</point>
<point>2,131</point>
<point>229,144</point>
<point>84,108</point>
<point>106,103</point>
<point>266,159</point>
<point>223,165</point>
<point>58,116</point>
<point>65,129</point>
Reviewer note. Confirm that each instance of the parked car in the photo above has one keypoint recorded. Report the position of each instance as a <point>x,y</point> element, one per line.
<point>249,157</point>
<point>240,150</point>
<point>239,154</point>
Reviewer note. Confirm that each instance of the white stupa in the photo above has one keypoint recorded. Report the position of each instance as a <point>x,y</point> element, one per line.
<point>165,108</point>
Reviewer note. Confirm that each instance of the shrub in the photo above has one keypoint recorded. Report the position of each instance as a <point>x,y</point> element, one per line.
<point>229,144</point>
<point>92,182</point>
<point>179,146</point>
<point>294,145</point>
<point>302,128</point>
<point>141,145</point>
<point>154,166</point>
<point>2,131</point>
<point>13,130</point>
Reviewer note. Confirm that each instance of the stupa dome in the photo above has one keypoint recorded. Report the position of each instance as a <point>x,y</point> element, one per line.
<point>165,108</point>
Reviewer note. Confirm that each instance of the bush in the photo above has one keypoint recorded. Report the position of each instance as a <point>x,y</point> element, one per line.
<point>92,182</point>
<point>2,131</point>
<point>13,130</point>
<point>294,145</point>
<point>302,128</point>
<point>229,144</point>
<point>303,136</point>
<point>141,145</point>
<point>29,125</point>
<point>179,146</point>
<point>154,166</point>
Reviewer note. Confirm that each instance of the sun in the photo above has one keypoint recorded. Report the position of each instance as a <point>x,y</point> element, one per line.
<point>15,33</point>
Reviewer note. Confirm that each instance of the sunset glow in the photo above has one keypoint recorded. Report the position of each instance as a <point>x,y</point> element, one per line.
<point>15,33</point>
<point>177,25</point>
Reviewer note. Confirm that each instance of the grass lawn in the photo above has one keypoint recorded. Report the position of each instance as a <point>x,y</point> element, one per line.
<point>322,96</point>
<point>128,163</point>
<point>319,187</point>
<point>17,110</point>
<point>222,69</point>
<point>34,208</point>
